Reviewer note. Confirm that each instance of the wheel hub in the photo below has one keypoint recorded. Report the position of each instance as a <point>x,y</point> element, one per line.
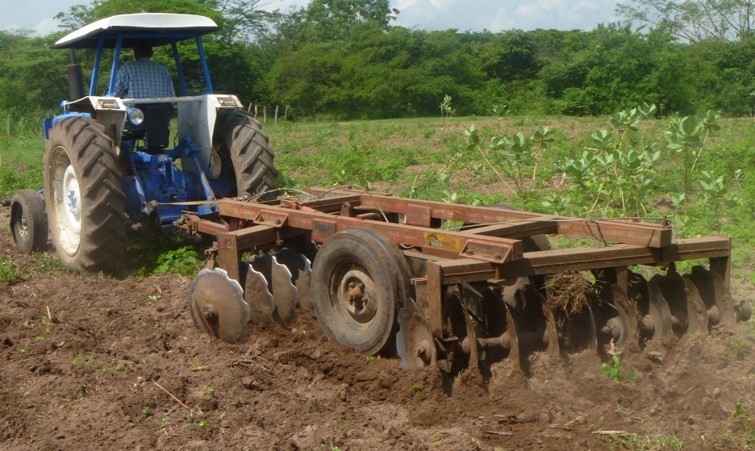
<point>72,202</point>
<point>354,293</point>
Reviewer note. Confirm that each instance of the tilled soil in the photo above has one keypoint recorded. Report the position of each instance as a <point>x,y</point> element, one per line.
<point>91,362</point>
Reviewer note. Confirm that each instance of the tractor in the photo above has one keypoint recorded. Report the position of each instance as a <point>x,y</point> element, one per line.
<point>114,163</point>
<point>382,274</point>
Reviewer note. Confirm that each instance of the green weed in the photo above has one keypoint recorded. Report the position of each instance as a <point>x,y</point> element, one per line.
<point>83,358</point>
<point>209,390</point>
<point>416,387</point>
<point>182,261</point>
<point>646,442</point>
<point>613,371</point>
<point>9,271</point>
<point>742,419</point>
<point>737,348</point>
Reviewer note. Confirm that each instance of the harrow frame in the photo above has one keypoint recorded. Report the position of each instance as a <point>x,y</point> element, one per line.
<point>488,249</point>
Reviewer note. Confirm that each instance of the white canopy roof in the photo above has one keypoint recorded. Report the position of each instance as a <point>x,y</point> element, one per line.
<point>153,28</point>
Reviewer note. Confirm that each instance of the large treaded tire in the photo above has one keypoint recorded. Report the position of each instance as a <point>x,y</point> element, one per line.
<point>84,196</point>
<point>238,139</point>
<point>28,222</point>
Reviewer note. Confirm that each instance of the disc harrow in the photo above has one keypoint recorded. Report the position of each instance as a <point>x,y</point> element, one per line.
<point>388,277</point>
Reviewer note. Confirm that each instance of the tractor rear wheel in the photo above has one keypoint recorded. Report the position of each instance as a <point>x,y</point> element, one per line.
<point>244,152</point>
<point>84,196</point>
<point>28,222</point>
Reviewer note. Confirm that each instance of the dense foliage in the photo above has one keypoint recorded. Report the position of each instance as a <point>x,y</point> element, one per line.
<point>345,59</point>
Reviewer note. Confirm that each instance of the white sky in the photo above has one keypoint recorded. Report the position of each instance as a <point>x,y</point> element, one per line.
<point>474,15</point>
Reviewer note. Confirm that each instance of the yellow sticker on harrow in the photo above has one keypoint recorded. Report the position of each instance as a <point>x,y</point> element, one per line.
<point>443,241</point>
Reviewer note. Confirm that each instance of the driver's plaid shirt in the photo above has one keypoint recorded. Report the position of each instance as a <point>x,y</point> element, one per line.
<point>143,78</point>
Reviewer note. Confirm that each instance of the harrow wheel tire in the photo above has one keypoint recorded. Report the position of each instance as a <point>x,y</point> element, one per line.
<point>357,288</point>
<point>244,152</point>
<point>28,221</point>
<point>84,196</point>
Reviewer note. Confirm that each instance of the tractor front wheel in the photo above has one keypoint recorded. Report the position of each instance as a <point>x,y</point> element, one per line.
<point>28,222</point>
<point>84,196</point>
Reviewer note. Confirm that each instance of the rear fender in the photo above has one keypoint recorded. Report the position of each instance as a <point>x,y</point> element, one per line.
<point>196,118</point>
<point>108,111</point>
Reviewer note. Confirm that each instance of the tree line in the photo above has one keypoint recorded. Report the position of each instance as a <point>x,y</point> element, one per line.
<point>346,59</point>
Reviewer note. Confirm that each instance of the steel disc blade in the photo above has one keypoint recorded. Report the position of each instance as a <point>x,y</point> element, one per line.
<point>284,292</point>
<point>615,317</point>
<point>512,335</point>
<point>628,314</point>
<point>715,295</point>
<point>697,314</point>
<point>217,306</point>
<point>256,294</point>
<point>551,330</point>
<point>659,311</point>
<point>420,345</point>
<point>301,274</point>
<point>576,330</point>
<point>672,288</point>
<point>653,310</point>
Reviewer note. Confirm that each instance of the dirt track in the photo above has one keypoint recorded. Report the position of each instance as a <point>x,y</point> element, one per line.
<point>121,366</point>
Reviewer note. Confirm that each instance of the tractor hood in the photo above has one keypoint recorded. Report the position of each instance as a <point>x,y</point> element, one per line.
<point>155,28</point>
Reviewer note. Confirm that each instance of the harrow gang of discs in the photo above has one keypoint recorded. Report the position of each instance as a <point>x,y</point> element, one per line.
<point>383,275</point>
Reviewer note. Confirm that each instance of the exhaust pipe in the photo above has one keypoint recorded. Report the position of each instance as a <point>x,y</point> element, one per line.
<point>75,79</point>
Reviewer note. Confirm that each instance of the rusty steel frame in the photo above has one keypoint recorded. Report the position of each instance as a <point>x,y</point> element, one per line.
<point>490,252</point>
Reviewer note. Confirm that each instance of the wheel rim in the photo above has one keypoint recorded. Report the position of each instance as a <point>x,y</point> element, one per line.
<point>354,292</point>
<point>67,202</point>
<point>20,227</point>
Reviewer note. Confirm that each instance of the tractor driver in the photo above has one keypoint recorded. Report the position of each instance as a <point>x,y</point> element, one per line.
<point>143,78</point>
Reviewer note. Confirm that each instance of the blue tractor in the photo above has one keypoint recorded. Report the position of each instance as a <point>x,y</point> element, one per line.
<point>113,162</point>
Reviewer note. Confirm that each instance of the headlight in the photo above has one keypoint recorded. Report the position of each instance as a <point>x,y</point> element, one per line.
<point>135,116</point>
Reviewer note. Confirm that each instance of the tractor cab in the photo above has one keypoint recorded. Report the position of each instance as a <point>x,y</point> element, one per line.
<point>140,127</point>
<point>113,162</point>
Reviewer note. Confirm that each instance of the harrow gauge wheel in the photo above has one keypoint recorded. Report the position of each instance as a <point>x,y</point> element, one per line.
<point>357,287</point>
<point>217,306</point>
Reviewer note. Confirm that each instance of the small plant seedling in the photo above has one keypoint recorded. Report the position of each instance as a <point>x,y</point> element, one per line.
<point>39,337</point>
<point>371,359</point>
<point>9,272</point>
<point>147,411</point>
<point>204,423</point>
<point>153,297</point>
<point>26,348</point>
<point>83,359</point>
<point>613,371</point>
<point>415,387</point>
<point>209,390</point>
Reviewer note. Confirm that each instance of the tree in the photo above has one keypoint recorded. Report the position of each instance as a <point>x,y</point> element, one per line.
<point>694,20</point>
